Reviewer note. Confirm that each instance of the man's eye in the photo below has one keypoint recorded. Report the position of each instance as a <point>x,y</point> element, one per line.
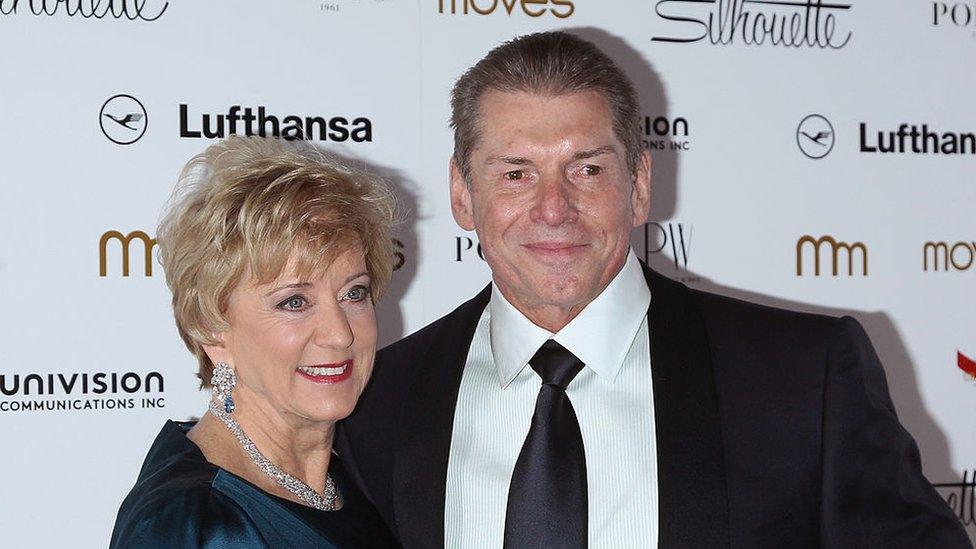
<point>293,303</point>
<point>514,175</point>
<point>591,170</point>
<point>357,293</point>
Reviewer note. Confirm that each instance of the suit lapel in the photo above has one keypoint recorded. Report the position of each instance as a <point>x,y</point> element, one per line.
<point>427,420</point>
<point>692,493</point>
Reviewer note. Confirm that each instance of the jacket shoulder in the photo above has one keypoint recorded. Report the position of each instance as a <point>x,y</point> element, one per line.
<point>785,352</point>
<point>743,318</point>
<point>423,340</point>
<point>180,511</point>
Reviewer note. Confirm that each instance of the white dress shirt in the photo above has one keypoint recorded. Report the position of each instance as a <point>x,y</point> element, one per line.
<point>613,399</point>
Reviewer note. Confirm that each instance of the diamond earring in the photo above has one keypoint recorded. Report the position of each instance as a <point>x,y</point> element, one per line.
<point>222,383</point>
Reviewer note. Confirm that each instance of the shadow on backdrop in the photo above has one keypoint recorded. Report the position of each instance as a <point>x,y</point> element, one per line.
<point>389,316</point>
<point>654,103</point>
<point>665,237</point>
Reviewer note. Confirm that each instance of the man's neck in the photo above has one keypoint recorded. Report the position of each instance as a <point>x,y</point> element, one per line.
<point>550,317</point>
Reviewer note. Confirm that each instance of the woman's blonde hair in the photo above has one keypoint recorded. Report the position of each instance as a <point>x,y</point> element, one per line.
<point>248,204</point>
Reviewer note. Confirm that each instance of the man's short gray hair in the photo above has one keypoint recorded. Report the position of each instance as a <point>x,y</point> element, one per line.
<point>553,63</point>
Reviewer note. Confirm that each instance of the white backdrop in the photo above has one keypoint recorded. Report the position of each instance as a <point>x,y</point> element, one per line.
<point>734,190</point>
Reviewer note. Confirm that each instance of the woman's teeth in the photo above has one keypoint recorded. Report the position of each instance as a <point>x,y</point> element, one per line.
<point>323,371</point>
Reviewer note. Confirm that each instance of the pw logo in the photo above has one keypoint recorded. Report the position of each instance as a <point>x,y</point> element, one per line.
<point>123,119</point>
<point>836,247</point>
<point>148,244</point>
<point>677,236</point>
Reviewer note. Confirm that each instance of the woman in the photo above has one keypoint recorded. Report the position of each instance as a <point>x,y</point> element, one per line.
<point>275,255</point>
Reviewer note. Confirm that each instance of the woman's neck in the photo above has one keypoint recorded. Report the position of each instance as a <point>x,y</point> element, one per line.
<point>300,447</point>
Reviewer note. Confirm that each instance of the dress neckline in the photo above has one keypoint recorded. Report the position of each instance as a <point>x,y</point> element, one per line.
<point>196,453</point>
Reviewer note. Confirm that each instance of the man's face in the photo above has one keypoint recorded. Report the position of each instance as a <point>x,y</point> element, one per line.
<point>551,199</point>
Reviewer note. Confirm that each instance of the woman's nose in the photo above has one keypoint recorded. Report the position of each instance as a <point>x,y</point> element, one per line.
<point>333,329</point>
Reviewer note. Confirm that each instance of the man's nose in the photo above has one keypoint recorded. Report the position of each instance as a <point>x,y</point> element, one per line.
<point>554,204</point>
<point>332,328</point>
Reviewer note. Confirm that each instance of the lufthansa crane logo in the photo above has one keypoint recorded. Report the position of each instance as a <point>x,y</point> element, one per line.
<point>815,136</point>
<point>123,119</point>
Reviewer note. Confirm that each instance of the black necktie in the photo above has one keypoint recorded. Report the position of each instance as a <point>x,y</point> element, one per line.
<point>547,498</point>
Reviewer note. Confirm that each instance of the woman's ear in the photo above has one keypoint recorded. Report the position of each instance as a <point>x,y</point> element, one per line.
<point>218,352</point>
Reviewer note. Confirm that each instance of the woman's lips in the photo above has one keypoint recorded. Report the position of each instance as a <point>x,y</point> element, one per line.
<point>327,373</point>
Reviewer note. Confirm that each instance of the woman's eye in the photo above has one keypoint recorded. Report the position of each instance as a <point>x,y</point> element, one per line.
<point>591,170</point>
<point>357,293</point>
<point>293,303</point>
<point>514,175</point>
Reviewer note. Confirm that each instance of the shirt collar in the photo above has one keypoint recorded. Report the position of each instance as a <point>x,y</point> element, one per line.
<point>600,335</point>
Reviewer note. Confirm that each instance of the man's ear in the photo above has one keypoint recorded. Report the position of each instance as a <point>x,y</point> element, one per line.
<point>640,195</point>
<point>461,199</point>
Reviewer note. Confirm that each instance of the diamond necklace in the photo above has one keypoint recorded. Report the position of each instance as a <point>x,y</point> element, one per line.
<point>323,502</point>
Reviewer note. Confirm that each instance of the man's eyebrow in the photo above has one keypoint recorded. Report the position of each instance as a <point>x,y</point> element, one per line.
<point>582,155</point>
<point>522,161</point>
<point>504,159</point>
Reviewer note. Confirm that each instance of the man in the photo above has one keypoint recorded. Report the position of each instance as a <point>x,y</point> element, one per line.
<point>582,399</point>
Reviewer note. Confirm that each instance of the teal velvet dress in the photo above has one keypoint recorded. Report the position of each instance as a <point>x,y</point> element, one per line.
<point>182,500</point>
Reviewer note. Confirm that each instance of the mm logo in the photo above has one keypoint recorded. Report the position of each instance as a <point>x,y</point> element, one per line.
<point>836,247</point>
<point>148,244</point>
<point>533,8</point>
<point>945,257</point>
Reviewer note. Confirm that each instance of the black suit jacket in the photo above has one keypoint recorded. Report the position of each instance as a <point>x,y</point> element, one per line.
<point>774,429</point>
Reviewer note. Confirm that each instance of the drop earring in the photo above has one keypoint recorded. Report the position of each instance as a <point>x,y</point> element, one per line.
<point>222,384</point>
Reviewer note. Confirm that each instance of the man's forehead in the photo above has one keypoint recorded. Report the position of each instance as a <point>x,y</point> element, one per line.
<point>576,124</point>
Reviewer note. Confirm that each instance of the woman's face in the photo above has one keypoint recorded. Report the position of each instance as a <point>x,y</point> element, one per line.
<point>302,348</point>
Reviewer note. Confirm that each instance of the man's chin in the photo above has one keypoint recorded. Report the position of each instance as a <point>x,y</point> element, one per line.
<point>560,291</point>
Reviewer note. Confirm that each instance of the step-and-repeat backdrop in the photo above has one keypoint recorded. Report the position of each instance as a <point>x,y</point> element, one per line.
<point>807,154</point>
